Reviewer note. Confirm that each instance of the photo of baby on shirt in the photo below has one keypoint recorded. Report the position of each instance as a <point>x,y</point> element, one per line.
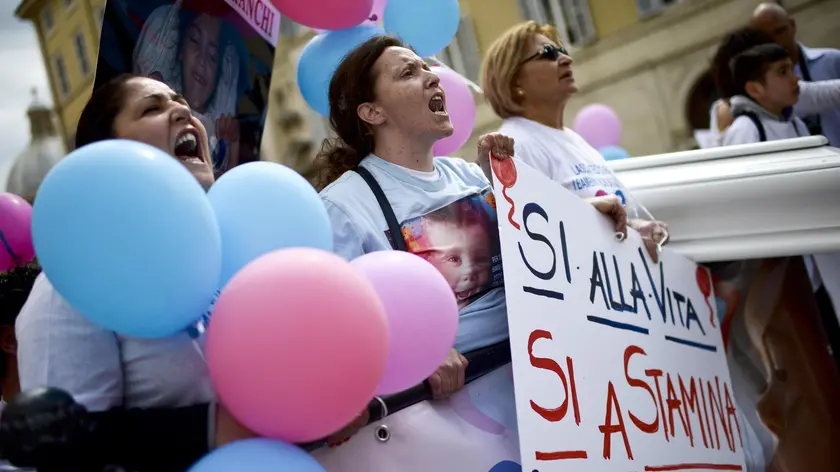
<point>462,241</point>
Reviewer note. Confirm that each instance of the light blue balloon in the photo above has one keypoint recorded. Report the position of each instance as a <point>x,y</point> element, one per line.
<point>258,455</point>
<point>613,153</point>
<point>127,236</point>
<point>427,25</point>
<point>321,57</point>
<point>262,207</point>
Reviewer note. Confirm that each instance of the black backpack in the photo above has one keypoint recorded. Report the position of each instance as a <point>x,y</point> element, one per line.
<point>762,135</point>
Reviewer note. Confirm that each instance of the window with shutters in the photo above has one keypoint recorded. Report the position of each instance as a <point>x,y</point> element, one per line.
<point>47,21</point>
<point>82,53</point>
<point>571,17</point>
<point>647,8</point>
<point>463,54</point>
<point>61,74</point>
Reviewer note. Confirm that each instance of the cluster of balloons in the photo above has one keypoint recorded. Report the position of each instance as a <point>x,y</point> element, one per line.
<point>600,126</point>
<point>15,232</point>
<point>299,340</point>
<point>428,26</point>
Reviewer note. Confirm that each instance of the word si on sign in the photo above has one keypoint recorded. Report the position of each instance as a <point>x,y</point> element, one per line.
<point>262,15</point>
<point>618,361</point>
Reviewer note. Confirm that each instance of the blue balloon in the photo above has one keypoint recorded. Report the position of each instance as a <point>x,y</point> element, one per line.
<point>258,455</point>
<point>427,25</point>
<point>613,153</point>
<point>127,236</point>
<point>506,466</point>
<point>262,207</point>
<point>321,57</point>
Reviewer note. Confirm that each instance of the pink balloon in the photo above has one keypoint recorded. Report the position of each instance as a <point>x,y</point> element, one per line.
<point>461,108</point>
<point>297,344</point>
<point>16,246</point>
<point>326,14</point>
<point>599,125</point>
<point>375,17</point>
<point>422,316</point>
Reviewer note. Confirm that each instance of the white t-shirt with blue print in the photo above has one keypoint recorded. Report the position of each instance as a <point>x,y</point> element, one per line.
<point>566,158</point>
<point>448,218</point>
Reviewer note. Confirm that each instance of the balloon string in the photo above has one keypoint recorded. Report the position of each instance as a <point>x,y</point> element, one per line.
<point>512,206</point>
<point>9,248</point>
<point>198,349</point>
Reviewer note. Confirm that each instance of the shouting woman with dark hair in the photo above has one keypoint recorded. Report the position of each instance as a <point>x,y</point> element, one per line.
<point>384,188</point>
<point>151,401</point>
<point>58,347</point>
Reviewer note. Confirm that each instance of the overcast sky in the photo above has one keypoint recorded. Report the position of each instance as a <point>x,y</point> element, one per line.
<point>21,68</point>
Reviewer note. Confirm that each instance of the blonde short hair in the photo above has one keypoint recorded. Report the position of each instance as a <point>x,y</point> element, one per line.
<point>502,62</point>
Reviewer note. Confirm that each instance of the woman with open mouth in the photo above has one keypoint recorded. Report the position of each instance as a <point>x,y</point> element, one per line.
<point>102,370</point>
<point>527,78</point>
<point>385,190</point>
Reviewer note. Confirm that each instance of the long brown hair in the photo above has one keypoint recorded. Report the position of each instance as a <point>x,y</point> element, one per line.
<point>732,45</point>
<point>351,85</point>
<point>96,123</point>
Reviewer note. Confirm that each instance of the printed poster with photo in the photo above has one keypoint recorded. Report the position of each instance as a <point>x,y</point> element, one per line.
<point>219,54</point>
<point>462,241</point>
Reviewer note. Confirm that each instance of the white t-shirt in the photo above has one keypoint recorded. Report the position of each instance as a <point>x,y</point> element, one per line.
<point>566,158</point>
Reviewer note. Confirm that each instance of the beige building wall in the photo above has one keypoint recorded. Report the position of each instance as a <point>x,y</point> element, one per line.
<point>57,24</point>
<point>646,66</point>
<point>647,71</point>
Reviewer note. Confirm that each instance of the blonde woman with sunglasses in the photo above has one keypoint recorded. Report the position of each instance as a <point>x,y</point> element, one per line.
<point>527,78</point>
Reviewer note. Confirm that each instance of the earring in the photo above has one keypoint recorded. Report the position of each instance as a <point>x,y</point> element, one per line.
<point>520,92</point>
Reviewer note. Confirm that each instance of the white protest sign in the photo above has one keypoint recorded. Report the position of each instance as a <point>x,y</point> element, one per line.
<point>618,362</point>
<point>262,15</point>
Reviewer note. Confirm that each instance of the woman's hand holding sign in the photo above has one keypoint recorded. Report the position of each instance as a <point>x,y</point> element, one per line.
<point>611,206</point>
<point>654,234</point>
<point>449,377</point>
<point>497,145</point>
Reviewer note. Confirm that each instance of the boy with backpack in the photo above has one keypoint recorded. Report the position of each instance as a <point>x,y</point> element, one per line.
<point>763,110</point>
<point>768,88</point>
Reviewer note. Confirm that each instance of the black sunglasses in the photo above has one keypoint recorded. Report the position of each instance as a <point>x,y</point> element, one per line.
<point>549,52</point>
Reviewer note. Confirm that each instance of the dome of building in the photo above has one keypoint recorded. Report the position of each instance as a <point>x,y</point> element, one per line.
<point>45,149</point>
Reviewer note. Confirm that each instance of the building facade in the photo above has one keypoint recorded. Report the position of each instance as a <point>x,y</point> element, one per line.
<point>68,32</point>
<point>647,59</point>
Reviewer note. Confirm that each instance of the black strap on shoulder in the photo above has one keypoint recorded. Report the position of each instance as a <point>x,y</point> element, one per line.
<point>397,241</point>
<point>762,135</point>
<point>803,66</point>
